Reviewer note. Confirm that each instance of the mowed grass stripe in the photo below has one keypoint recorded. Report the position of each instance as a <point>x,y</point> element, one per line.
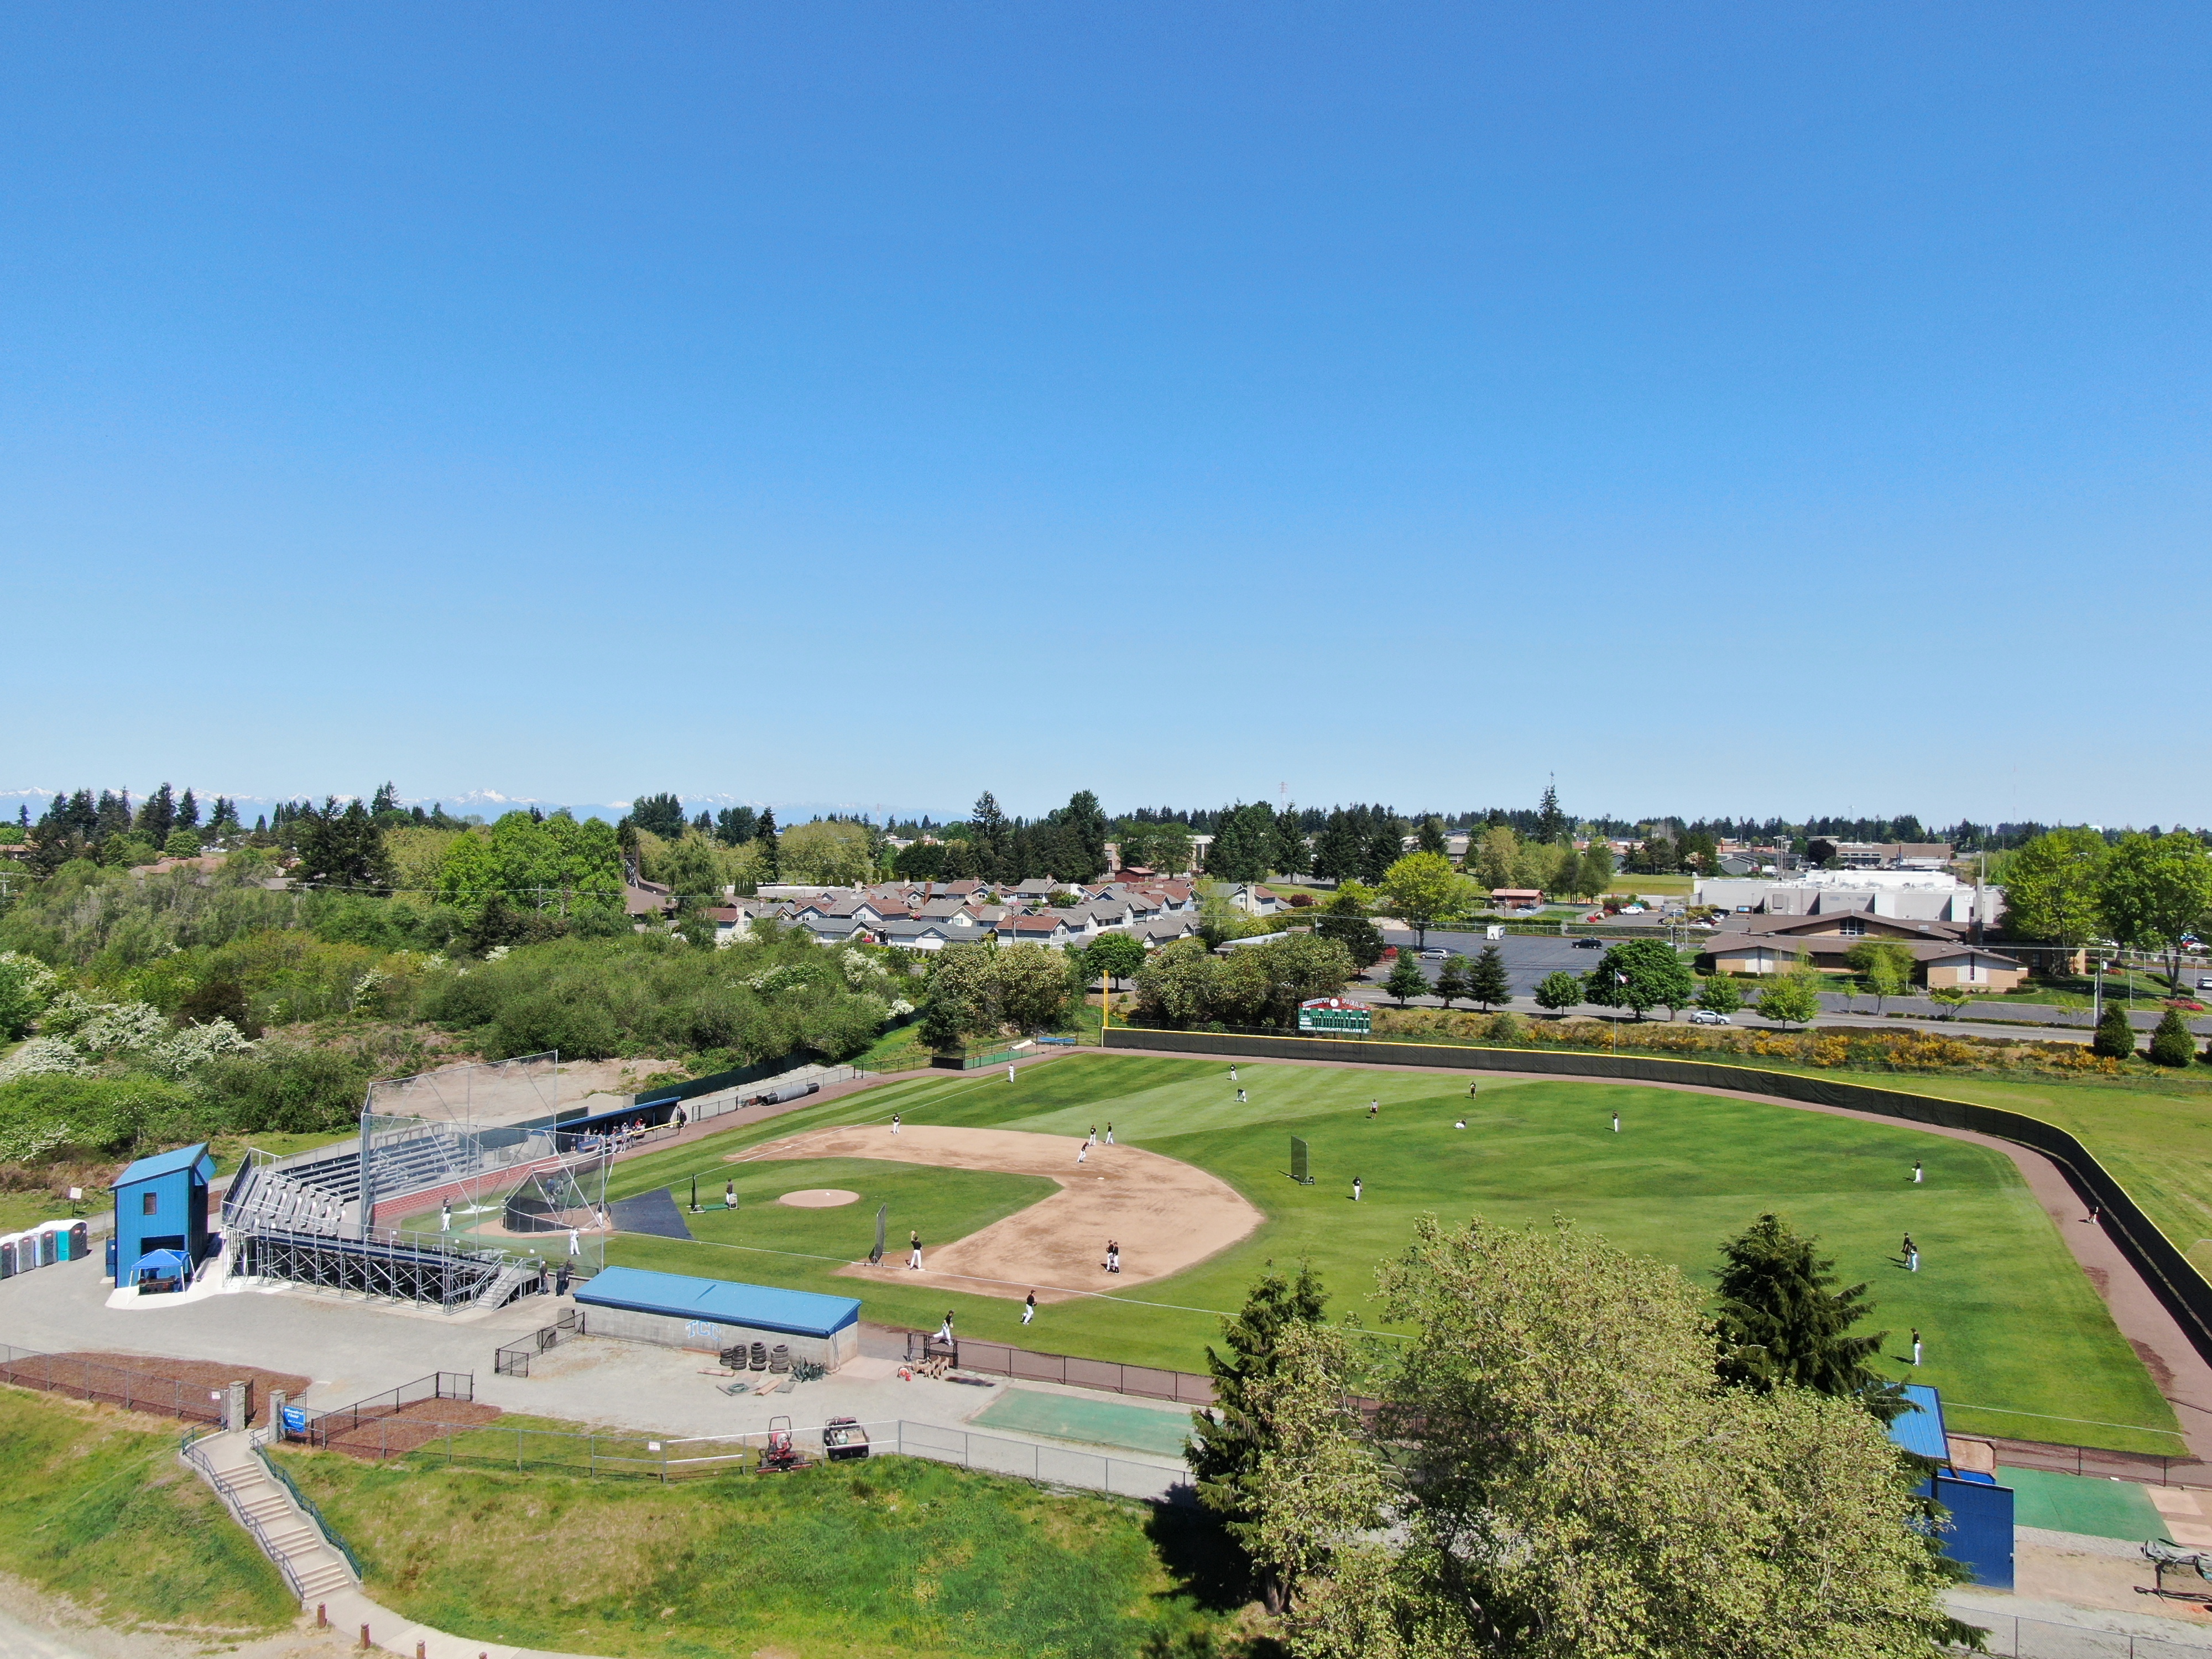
<point>2008,1319</point>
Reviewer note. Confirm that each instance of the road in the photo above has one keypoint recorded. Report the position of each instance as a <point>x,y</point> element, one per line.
<point>1529,957</point>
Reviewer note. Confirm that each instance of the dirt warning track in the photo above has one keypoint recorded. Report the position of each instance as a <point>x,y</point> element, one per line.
<point>1168,1215</point>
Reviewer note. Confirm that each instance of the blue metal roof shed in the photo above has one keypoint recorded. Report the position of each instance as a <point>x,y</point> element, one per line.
<point>720,1302</point>
<point>162,1204</point>
<point>1921,1431</point>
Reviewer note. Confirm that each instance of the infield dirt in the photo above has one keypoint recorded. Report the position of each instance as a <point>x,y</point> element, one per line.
<point>1167,1215</point>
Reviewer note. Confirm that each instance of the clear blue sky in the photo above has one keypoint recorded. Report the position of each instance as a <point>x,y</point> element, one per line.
<point>1754,409</point>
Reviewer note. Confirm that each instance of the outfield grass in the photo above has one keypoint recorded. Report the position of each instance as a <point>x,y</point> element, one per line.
<point>2016,1337</point>
<point>895,1556</point>
<point>2154,1138</point>
<point>100,1510</point>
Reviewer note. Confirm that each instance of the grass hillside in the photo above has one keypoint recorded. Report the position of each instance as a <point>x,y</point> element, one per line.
<point>100,1510</point>
<point>892,1557</point>
<point>2016,1337</point>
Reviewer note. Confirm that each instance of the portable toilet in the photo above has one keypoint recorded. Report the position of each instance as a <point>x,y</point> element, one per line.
<point>80,1240</point>
<point>7,1255</point>
<point>54,1241</point>
<point>43,1243</point>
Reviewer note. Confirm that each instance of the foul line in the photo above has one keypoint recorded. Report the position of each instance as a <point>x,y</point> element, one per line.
<point>2092,1422</point>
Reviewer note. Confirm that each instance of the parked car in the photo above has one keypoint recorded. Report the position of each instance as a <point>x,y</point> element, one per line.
<point>1589,944</point>
<point>2204,982</point>
<point>1707,1017</point>
<point>1434,954</point>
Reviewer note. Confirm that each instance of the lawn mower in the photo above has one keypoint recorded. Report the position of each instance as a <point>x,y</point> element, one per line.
<point>781,1455</point>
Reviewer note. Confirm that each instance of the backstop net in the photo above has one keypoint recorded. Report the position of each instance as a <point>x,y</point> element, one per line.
<point>473,1157</point>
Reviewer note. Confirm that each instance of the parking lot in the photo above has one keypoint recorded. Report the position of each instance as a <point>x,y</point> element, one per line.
<point>1529,957</point>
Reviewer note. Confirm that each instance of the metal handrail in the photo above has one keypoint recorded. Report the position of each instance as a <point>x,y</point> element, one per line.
<point>331,1533</point>
<point>188,1448</point>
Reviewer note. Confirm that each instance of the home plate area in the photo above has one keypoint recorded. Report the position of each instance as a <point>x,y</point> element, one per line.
<point>1167,1215</point>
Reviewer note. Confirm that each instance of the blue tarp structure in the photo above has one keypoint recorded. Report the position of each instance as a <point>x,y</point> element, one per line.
<point>719,1301</point>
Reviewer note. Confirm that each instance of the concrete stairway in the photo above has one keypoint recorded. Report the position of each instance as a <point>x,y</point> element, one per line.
<point>285,1532</point>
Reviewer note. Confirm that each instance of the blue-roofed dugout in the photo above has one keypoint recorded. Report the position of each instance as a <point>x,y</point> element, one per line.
<point>162,1204</point>
<point>714,1313</point>
<point>1979,1525</point>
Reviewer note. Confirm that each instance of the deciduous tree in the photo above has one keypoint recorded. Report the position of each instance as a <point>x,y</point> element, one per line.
<point>1423,888</point>
<point>2155,891</point>
<point>1640,974</point>
<point>1559,991</point>
<point>2171,1043</point>
<point>1793,998</point>
<point>1719,994</point>
<point>1564,1477</point>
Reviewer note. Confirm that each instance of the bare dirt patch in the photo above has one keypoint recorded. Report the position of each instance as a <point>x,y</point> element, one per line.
<point>149,1383</point>
<point>819,1198</point>
<point>385,1432</point>
<point>1167,1214</point>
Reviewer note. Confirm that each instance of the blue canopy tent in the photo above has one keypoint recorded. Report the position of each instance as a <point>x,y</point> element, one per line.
<point>157,1267</point>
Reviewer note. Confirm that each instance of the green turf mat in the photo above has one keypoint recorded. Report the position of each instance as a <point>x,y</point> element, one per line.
<point>2083,1503</point>
<point>1093,1422</point>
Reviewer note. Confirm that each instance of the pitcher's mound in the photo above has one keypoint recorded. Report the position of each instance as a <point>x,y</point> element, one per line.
<point>819,1198</point>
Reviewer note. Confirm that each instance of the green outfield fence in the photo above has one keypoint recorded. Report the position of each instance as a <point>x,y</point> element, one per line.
<point>2170,1274</point>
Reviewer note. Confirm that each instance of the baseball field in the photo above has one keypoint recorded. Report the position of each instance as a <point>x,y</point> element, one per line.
<point>1197,1192</point>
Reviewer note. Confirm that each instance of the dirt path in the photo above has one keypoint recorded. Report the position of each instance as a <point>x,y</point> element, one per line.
<point>1168,1215</point>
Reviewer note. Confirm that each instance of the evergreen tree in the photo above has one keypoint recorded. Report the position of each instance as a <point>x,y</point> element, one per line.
<point>188,811</point>
<point>1430,838</point>
<point>158,816</point>
<point>771,862</point>
<point>734,825</point>
<point>1453,981</point>
<point>1407,980</point>
<point>1083,827</point>
<point>1382,846</point>
<point>385,799</point>
<point>113,817</point>
<point>1550,822</point>
<point>2115,1039</point>
<point>1291,856</point>
<point>1337,850</point>
<point>992,837</point>
<point>1228,1439</point>
<point>1559,991</point>
<point>1488,982</point>
<point>2171,1044</point>
<point>1780,1323</point>
<point>341,849</point>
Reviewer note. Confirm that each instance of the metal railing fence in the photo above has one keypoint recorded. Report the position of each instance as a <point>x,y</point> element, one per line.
<point>282,1477</point>
<point>1025,1365</point>
<point>2012,1637</point>
<point>189,1449</point>
<point>322,1427</point>
<point>670,1458</point>
<point>117,1385</point>
<point>514,1360</point>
